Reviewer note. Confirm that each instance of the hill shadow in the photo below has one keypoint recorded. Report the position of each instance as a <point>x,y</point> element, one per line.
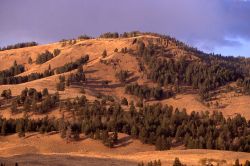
<point>124,141</point>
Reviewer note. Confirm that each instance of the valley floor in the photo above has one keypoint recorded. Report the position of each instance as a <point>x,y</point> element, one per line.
<point>49,149</point>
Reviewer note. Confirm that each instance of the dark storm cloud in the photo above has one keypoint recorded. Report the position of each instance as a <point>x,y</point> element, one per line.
<point>202,23</point>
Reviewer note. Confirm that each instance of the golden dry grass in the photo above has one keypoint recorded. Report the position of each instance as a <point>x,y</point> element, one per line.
<point>97,72</point>
<point>130,151</point>
<point>51,148</point>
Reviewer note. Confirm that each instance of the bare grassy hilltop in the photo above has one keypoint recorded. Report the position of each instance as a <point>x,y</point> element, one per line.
<point>137,71</point>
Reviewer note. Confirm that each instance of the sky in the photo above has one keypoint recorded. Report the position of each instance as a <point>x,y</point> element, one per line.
<point>219,26</point>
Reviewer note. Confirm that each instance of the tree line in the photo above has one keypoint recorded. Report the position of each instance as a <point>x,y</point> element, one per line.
<point>19,45</point>
<point>14,70</point>
<point>26,78</point>
<point>143,91</point>
<point>123,35</point>
<point>10,79</point>
<point>245,84</point>
<point>46,56</point>
<point>31,100</point>
<point>72,65</point>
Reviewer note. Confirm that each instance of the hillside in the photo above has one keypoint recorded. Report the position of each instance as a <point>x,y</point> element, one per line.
<point>96,72</point>
<point>121,98</point>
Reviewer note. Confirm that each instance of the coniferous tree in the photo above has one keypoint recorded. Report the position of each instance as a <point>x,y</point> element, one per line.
<point>14,106</point>
<point>56,52</point>
<point>4,128</point>
<point>44,57</point>
<point>177,162</point>
<point>237,162</point>
<point>124,101</point>
<point>30,60</point>
<point>6,94</point>
<point>104,54</point>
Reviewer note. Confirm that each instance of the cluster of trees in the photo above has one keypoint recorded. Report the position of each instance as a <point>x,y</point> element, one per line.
<point>20,126</point>
<point>15,69</point>
<point>110,35</point>
<point>60,86</point>
<point>82,37</point>
<point>201,75</point>
<point>47,55</point>
<point>122,75</point>
<point>144,91</point>
<point>6,94</point>
<point>237,163</point>
<point>245,84</point>
<point>104,53</point>
<point>56,52</point>
<point>124,101</point>
<point>10,79</point>
<point>44,57</point>
<point>19,45</point>
<point>117,35</point>
<point>177,162</point>
<point>150,163</point>
<point>108,139</point>
<point>26,78</point>
<point>72,65</point>
<point>3,164</point>
<point>124,50</point>
<point>35,101</point>
<point>77,77</point>
<point>163,125</point>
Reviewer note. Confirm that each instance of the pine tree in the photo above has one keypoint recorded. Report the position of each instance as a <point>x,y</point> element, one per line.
<point>30,60</point>
<point>134,132</point>
<point>45,92</point>
<point>177,162</point>
<point>209,143</point>
<point>6,94</point>
<point>56,52</point>
<point>141,164</point>
<point>4,128</point>
<point>97,134</point>
<point>14,106</point>
<point>158,143</point>
<point>63,133</point>
<point>104,54</point>
<point>143,135</point>
<point>105,136</point>
<point>60,86</point>
<point>34,105</point>
<point>247,163</point>
<point>237,162</point>
<point>124,101</point>
<point>115,137</point>
<point>20,128</point>
<point>26,105</point>
<point>159,163</point>
<point>68,133</point>
<point>132,108</point>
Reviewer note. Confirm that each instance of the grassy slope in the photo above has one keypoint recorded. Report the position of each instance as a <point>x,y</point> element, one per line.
<point>97,72</point>
<point>54,150</point>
